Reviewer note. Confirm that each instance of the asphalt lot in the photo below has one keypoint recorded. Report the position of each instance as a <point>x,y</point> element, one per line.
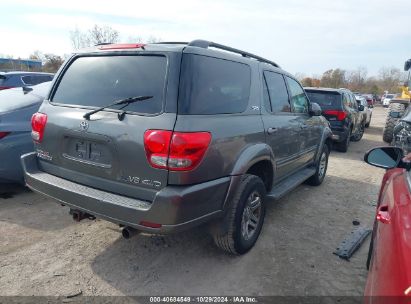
<point>44,252</point>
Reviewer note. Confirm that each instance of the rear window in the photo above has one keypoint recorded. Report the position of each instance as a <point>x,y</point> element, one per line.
<point>327,100</point>
<point>213,86</point>
<point>101,80</point>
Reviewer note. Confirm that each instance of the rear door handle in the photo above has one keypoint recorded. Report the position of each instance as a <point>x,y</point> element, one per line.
<point>271,130</point>
<point>383,215</point>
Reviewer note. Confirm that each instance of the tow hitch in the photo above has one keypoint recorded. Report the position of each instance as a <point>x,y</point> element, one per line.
<point>80,215</point>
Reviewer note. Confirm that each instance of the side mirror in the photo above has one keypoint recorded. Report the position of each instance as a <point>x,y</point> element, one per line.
<point>315,109</point>
<point>384,157</point>
<point>360,108</point>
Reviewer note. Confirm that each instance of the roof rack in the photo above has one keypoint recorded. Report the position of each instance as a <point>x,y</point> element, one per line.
<point>206,44</point>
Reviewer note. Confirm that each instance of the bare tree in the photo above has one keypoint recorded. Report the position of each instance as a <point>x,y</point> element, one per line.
<point>97,34</point>
<point>37,55</point>
<point>78,39</point>
<point>102,34</point>
<point>52,63</point>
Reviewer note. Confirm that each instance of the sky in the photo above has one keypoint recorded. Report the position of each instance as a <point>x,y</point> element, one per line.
<point>306,37</point>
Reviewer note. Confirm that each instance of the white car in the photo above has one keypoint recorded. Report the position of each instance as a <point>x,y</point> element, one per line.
<point>387,99</point>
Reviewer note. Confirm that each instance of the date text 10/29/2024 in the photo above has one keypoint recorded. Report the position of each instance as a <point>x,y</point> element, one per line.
<point>204,299</point>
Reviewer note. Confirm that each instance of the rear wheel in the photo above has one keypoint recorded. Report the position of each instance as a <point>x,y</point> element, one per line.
<point>392,120</point>
<point>321,169</point>
<point>343,146</point>
<point>238,231</point>
<point>367,125</point>
<point>359,134</point>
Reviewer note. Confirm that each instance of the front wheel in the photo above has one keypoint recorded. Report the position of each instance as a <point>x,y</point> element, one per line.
<point>238,231</point>
<point>321,168</point>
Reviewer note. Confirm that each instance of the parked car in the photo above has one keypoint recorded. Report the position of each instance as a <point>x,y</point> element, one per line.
<point>341,110</point>
<point>386,100</point>
<point>370,99</point>
<point>389,256</point>
<point>16,108</point>
<point>10,80</point>
<point>367,112</point>
<point>165,137</point>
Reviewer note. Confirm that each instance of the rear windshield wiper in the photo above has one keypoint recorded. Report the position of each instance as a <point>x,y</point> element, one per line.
<point>125,102</point>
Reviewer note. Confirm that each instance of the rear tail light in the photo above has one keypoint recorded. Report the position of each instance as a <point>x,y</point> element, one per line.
<point>176,151</point>
<point>4,88</point>
<point>120,46</point>
<point>38,124</point>
<point>340,115</point>
<point>4,134</point>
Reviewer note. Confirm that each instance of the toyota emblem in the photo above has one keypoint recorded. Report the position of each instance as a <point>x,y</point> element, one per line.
<point>84,125</point>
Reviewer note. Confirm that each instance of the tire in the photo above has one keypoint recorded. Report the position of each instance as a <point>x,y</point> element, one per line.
<point>231,233</point>
<point>343,146</point>
<point>367,125</point>
<point>390,122</point>
<point>360,133</point>
<point>321,168</point>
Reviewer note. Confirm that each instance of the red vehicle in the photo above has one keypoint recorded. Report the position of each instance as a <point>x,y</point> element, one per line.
<point>389,256</point>
<point>370,99</point>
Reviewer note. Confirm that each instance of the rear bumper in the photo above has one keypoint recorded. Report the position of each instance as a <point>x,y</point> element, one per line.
<point>176,208</point>
<point>339,135</point>
<point>11,148</point>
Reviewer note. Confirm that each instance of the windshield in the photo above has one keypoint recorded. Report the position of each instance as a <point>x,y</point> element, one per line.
<point>98,81</point>
<point>327,100</point>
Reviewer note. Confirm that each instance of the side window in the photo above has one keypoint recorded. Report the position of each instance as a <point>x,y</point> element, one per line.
<point>346,100</point>
<point>277,91</point>
<point>299,101</point>
<point>28,80</point>
<point>354,103</point>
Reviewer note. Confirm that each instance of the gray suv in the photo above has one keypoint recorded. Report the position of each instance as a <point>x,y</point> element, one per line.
<point>163,137</point>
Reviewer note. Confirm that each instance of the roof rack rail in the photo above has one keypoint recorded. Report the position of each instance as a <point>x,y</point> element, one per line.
<point>206,44</point>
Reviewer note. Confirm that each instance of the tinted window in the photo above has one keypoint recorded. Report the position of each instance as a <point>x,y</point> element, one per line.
<point>35,79</point>
<point>213,86</point>
<point>277,92</point>
<point>347,100</point>
<point>327,100</point>
<point>299,101</point>
<point>99,81</point>
<point>390,96</point>
<point>13,81</point>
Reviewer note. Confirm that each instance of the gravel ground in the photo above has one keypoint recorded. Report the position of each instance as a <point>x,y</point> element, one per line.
<point>44,252</point>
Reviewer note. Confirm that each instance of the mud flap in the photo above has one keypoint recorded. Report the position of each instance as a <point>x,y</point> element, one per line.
<point>351,243</point>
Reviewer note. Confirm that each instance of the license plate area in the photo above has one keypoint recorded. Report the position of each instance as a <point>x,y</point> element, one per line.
<point>87,151</point>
